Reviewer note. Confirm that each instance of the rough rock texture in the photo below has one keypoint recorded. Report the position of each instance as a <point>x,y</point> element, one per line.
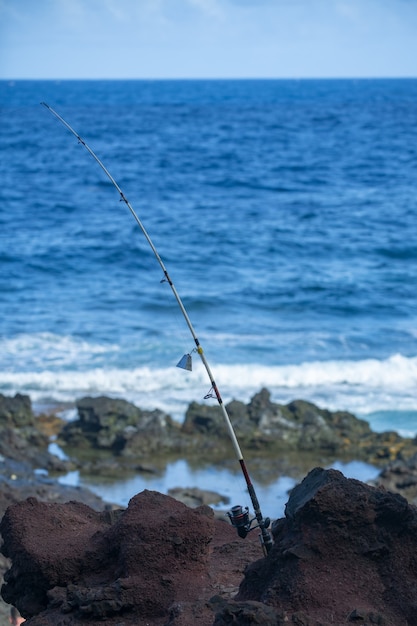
<point>20,437</point>
<point>158,562</point>
<point>18,482</point>
<point>400,476</point>
<point>262,426</point>
<point>299,425</point>
<point>193,496</point>
<point>122,427</point>
<point>345,553</point>
<point>25,463</point>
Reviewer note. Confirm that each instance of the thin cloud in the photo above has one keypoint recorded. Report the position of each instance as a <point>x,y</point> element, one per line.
<point>207,38</point>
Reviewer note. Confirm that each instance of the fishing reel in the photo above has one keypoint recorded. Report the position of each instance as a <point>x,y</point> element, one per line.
<point>239,518</point>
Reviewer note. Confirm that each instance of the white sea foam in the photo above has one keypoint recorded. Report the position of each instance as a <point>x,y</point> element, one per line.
<point>40,349</point>
<point>362,387</point>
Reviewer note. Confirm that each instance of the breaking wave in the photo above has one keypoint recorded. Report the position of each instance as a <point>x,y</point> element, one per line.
<point>63,369</point>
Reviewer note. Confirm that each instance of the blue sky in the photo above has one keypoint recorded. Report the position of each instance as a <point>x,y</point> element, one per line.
<point>207,38</point>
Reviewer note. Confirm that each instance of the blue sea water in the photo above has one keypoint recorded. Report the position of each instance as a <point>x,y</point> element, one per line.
<point>284,210</point>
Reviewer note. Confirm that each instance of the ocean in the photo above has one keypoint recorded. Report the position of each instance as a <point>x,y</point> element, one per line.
<point>284,210</point>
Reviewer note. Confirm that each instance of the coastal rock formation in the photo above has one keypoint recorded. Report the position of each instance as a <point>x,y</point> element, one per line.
<point>120,426</point>
<point>344,553</point>
<point>400,476</point>
<point>262,425</point>
<point>25,463</point>
<point>299,425</point>
<point>339,539</point>
<point>194,497</point>
<point>21,438</point>
<point>18,482</point>
<point>157,562</point>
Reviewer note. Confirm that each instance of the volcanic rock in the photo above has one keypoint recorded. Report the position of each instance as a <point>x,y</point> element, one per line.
<point>120,426</point>
<point>300,425</point>
<point>21,438</point>
<point>25,464</point>
<point>262,426</point>
<point>158,562</point>
<point>400,476</point>
<point>16,411</point>
<point>18,481</point>
<point>194,496</point>
<point>344,553</point>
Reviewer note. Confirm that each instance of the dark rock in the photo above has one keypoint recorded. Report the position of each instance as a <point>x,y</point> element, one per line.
<point>193,496</point>
<point>400,476</point>
<point>248,613</point>
<point>203,419</point>
<point>299,425</point>
<point>156,562</point>
<point>120,426</point>
<point>320,427</point>
<point>262,426</point>
<point>18,482</point>
<point>146,468</point>
<point>345,551</point>
<point>17,411</point>
<point>306,490</point>
<point>21,438</point>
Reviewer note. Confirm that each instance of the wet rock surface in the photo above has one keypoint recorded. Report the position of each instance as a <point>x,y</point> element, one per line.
<point>25,464</point>
<point>263,426</point>
<point>400,476</point>
<point>287,439</point>
<point>193,496</point>
<point>120,426</point>
<point>21,438</point>
<point>345,553</point>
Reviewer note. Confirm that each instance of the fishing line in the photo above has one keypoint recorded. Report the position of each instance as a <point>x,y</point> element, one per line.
<point>238,516</point>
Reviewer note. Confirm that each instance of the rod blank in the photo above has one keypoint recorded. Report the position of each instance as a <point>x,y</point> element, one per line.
<point>265,536</point>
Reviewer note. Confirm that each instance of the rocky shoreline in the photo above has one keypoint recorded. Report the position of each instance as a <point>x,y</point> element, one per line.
<point>112,436</point>
<point>263,427</point>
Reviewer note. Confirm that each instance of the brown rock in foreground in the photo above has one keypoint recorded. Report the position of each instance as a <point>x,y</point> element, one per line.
<point>345,553</point>
<point>157,562</point>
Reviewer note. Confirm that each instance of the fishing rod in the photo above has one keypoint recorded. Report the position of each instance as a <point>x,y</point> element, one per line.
<point>238,516</point>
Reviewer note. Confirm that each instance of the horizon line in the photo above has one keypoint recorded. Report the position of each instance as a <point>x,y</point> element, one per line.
<point>211,78</point>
